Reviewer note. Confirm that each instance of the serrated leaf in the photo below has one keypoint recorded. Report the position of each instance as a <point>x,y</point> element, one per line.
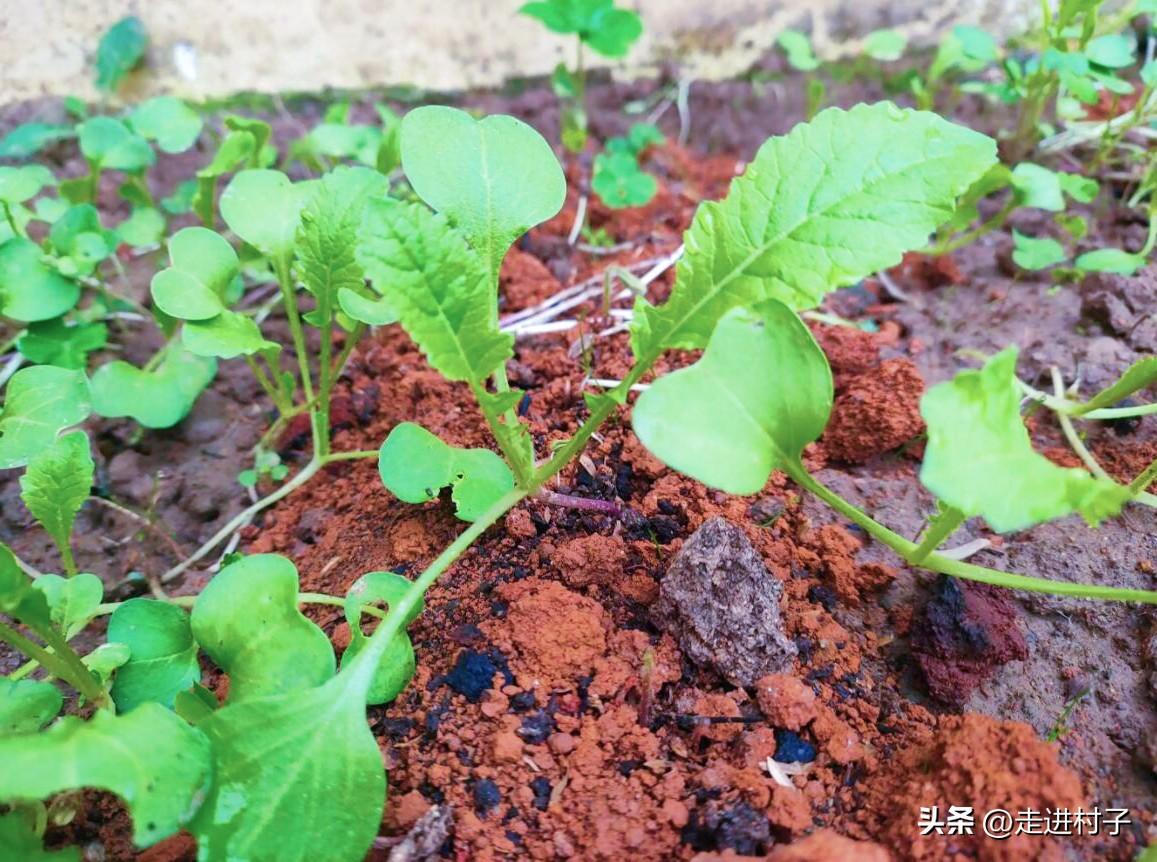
<point>18,841</point>
<point>110,144</point>
<point>168,121</point>
<point>72,602</point>
<point>263,207</point>
<point>27,705</point>
<point>39,403</point>
<point>158,764</point>
<point>437,285</point>
<point>727,427</point>
<point>992,470</point>
<point>156,399</point>
<point>1035,253</point>
<point>494,178</point>
<point>247,622</point>
<point>812,213</point>
<point>397,665</point>
<point>120,50</point>
<point>54,342</point>
<point>1137,376</point>
<point>415,466</point>
<point>226,335</point>
<point>29,289</point>
<point>162,653</point>
<point>56,484</point>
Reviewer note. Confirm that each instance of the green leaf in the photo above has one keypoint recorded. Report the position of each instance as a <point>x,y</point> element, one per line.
<point>437,286</point>
<point>150,758</point>
<point>327,240</point>
<point>23,183</point>
<point>610,31</point>
<point>247,622</point>
<point>298,776</point>
<point>144,227</point>
<point>181,200</point>
<point>1137,376</point>
<point>1038,187</point>
<point>56,484</point>
<point>225,336</point>
<point>415,466</point>
<point>29,289</point>
<point>1112,50</point>
<point>53,342</point>
<point>976,43</point>
<point>121,48</point>
<point>81,240</point>
<point>719,423</point>
<point>195,704</point>
<point>620,182</point>
<point>203,265</point>
<point>798,48</point>
<point>17,597</point>
<point>1036,253</point>
<point>168,121</point>
<point>72,602</point>
<point>105,660</point>
<point>397,665</point>
<point>992,470</point>
<point>28,139</point>
<point>19,841</point>
<point>375,312</point>
<point>812,214</point>
<point>110,144</point>
<point>1082,189</point>
<point>885,45</point>
<point>263,207</point>
<point>27,705</point>
<point>39,403</point>
<point>156,399</point>
<point>493,178</point>
<point>163,656</point>
<point>1112,260</point>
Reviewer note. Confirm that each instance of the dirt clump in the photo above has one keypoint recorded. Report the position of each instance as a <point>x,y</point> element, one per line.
<point>593,559</point>
<point>877,411</point>
<point>786,701</point>
<point>1123,306</point>
<point>722,605</point>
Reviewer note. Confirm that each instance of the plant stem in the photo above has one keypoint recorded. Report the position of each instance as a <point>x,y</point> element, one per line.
<point>11,219</point>
<point>943,525</point>
<point>243,517</point>
<point>1144,479</point>
<point>62,662</point>
<point>302,599</point>
<point>351,341</point>
<point>325,381</point>
<point>351,456</point>
<point>582,504</point>
<point>956,568</point>
<point>266,384</point>
<point>969,237</point>
<point>292,315</point>
<point>66,558</point>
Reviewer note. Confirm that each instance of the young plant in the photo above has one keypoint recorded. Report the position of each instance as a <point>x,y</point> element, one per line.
<point>619,180</point>
<point>597,24</point>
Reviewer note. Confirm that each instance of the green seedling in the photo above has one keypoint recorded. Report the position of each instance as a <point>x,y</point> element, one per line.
<point>619,180</point>
<point>597,24</point>
<point>121,50</point>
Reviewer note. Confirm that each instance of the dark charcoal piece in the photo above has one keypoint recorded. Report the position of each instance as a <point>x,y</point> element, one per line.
<point>473,673</point>
<point>541,788</point>
<point>738,827</point>
<point>789,748</point>
<point>536,727</point>
<point>486,796</point>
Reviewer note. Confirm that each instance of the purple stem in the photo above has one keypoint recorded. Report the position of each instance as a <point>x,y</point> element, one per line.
<point>584,504</point>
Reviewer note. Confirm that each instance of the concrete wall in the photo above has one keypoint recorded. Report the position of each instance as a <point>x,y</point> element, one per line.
<point>217,47</point>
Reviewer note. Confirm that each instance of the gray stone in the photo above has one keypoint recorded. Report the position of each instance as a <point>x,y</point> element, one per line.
<point>721,604</point>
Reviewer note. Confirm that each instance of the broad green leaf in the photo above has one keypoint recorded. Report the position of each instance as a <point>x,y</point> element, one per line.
<point>156,399</point>
<point>263,207</point>
<point>1112,50</point>
<point>620,182</point>
<point>162,654</point>
<point>120,50</point>
<point>1137,376</point>
<point>19,841</point>
<point>494,178</point>
<point>729,428</point>
<point>247,622</point>
<point>1036,252</point>
<point>39,403</point>
<point>195,704</point>
<point>437,286</point>
<point>415,466</point>
<point>150,758</point>
<point>28,139</point>
<point>298,776</point>
<point>375,312</point>
<point>72,602</point>
<point>798,48</point>
<point>225,336</point>
<point>144,227</point>
<point>17,597</point>
<point>976,43</point>
<point>168,121</point>
<point>110,144</point>
<point>885,45</point>
<point>979,458</point>
<point>203,265</point>
<point>397,665</point>
<point>23,183</point>
<point>1038,187</point>
<point>29,289</point>
<point>328,237</point>
<point>1082,189</point>
<point>181,200</point>
<point>1114,260</point>
<point>105,660</point>
<point>813,213</point>
<point>56,483</point>
<point>53,342</point>
<point>27,705</point>
<point>610,31</point>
